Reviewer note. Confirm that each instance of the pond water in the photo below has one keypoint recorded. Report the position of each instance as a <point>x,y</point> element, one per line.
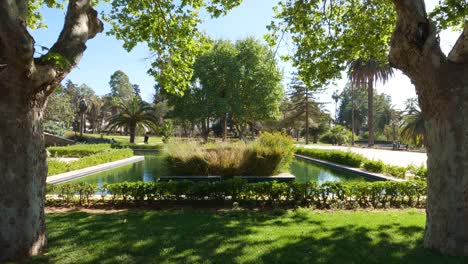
<point>153,167</point>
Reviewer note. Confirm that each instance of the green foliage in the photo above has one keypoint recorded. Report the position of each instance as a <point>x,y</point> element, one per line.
<point>328,195</point>
<point>170,29</point>
<point>120,86</point>
<point>57,167</point>
<point>133,113</point>
<point>373,166</point>
<point>338,135</point>
<point>59,113</point>
<point>346,158</point>
<point>269,155</point>
<point>79,150</point>
<point>419,171</point>
<point>166,131</point>
<point>395,171</point>
<point>73,192</point>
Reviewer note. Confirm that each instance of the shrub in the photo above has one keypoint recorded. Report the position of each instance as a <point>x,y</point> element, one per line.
<point>346,158</point>
<point>328,195</point>
<point>79,150</point>
<point>420,171</point>
<point>269,155</point>
<point>373,166</point>
<point>57,167</point>
<point>396,171</point>
<point>337,135</point>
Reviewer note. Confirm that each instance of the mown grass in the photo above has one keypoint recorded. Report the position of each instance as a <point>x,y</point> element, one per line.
<point>301,236</point>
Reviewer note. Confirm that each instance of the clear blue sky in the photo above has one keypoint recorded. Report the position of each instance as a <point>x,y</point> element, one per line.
<point>105,54</point>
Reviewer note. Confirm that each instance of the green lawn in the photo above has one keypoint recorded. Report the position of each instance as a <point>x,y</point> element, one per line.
<point>126,139</point>
<point>239,237</point>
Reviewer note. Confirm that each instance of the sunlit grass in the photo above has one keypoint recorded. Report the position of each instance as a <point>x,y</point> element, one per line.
<point>301,236</point>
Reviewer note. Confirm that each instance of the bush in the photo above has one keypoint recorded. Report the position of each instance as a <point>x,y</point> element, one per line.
<point>373,166</point>
<point>337,135</point>
<point>327,195</point>
<point>269,155</point>
<point>420,171</point>
<point>396,171</point>
<point>346,158</point>
<point>79,150</point>
<point>135,146</point>
<point>57,167</point>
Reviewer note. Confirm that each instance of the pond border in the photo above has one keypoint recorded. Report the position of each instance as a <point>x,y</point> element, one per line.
<point>366,174</point>
<point>71,175</point>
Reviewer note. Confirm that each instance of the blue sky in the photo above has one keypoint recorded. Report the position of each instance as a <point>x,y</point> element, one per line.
<point>105,54</point>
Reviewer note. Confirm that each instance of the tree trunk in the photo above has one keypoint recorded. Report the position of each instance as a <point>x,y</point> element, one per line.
<point>132,129</point>
<point>352,115</point>
<point>447,199</point>
<point>23,172</point>
<point>307,118</point>
<point>370,112</point>
<point>441,84</point>
<point>225,127</point>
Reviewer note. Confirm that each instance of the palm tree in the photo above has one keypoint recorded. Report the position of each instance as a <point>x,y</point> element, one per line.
<point>413,129</point>
<point>131,114</point>
<point>366,73</point>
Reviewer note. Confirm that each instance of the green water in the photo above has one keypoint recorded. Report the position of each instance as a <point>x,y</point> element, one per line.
<point>153,167</point>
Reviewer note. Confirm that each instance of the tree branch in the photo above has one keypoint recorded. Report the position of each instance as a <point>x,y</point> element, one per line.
<point>415,44</point>
<point>16,42</point>
<point>459,53</point>
<point>81,24</point>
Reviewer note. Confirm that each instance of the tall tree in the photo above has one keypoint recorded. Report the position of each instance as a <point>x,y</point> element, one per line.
<point>330,34</point>
<point>366,73</point>
<point>259,91</point>
<point>120,85</point>
<point>26,82</point>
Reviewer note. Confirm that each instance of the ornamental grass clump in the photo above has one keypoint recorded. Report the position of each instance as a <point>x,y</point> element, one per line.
<point>269,155</point>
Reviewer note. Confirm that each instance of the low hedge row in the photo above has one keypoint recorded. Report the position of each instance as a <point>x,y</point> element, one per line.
<point>355,160</point>
<point>327,195</point>
<point>135,146</point>
<point>57,167</point>
<point>78,151</point>
<point>346,158</point>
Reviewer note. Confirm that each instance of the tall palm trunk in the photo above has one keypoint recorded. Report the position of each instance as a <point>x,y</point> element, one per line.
<point>132,129</point>
<point>370,111</point>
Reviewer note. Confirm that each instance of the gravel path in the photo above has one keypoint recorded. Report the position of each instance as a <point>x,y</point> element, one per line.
<point>400,158</point>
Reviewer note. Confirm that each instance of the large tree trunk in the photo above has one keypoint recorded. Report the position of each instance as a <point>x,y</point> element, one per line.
<point>370,112</point>
<point>447,200</point>
<point>442,86</point>
<point>307,118</point>
<point>23,172</point>
<point>25,84</point>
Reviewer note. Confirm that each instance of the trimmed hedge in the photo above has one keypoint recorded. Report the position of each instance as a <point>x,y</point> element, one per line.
<point>328,195</point>
<point>346,158</point>
<point>78,151</point>
<point>355,160</point>
<point>57,167</point>
<point>135,146</point>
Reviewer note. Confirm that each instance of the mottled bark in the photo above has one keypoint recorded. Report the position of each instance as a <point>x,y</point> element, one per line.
<point>442,86</point>
<point>25,83</point>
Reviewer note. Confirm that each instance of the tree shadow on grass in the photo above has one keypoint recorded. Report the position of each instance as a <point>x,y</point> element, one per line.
<point>233,237</point>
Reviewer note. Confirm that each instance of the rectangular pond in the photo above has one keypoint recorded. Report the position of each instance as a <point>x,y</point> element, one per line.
<point>153,167</point>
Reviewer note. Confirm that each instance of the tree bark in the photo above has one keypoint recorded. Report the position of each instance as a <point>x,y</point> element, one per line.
<point>442,86</point>
<point>132,129</point>
<point>370,112</point>
<point>307,118</point>
<point>25,84</point>
<point>23,172</point>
